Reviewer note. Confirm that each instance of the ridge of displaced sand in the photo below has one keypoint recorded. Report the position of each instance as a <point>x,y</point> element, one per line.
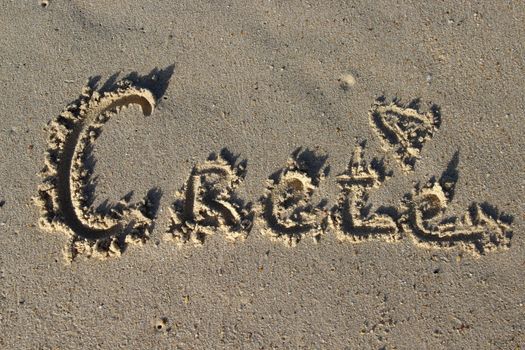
<point>63,198</point>
<point>208,202</point>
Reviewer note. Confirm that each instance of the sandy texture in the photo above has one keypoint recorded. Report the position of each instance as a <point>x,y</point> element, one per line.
<point>198,175</point>
<point>64,197</point>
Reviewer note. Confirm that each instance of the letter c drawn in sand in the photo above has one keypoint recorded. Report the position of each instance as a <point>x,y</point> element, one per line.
<point>63,197</point>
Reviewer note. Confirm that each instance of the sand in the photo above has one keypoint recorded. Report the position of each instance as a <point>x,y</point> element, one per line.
<point>288,175</point>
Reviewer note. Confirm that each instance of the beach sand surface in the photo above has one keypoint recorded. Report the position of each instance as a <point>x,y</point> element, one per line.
<point>290,93</point>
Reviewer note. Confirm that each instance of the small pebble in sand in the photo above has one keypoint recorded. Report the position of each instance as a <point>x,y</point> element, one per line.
<point>346,81</point>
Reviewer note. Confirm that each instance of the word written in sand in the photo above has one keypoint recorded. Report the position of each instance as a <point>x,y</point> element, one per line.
<point>290,210</point>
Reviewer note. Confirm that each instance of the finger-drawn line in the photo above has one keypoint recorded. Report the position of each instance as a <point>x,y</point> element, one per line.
<point>347,216</point>
<point>208,202</point>
<point>286,207</point>
<point>482,229</point>
<point>404,129</point>
<point>63,198</point>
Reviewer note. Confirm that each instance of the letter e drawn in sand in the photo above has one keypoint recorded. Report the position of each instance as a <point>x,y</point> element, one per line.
<point>64,196</point>
<point>403,128</point>
<point>287,209</point>
<point>208,203</point>
<point>356,183</point>
<point>482,229</point>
